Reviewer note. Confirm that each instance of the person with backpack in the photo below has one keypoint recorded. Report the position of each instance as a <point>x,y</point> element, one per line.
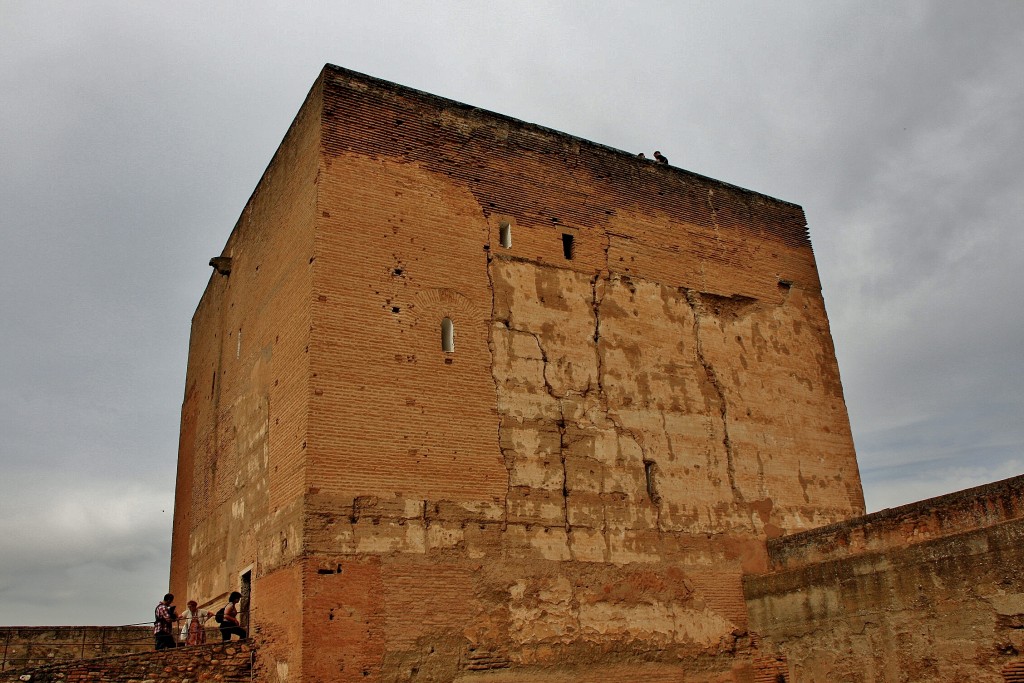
<point>227,617</point>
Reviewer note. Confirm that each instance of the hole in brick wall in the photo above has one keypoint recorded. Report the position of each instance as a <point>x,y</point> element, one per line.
<point>568,246</point>
<point>650,470</point>
<point>447,336</point>
<point>505,235</point>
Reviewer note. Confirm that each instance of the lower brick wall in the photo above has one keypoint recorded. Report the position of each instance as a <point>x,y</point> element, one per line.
<point>949,609</point>
<point>223,662</point>
<point>25,646</point>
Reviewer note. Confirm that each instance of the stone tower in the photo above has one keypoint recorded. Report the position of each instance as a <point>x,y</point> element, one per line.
<point>465,394</point>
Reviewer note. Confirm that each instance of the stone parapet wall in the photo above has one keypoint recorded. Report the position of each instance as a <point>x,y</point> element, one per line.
<point>924,520</point>
<point>26,646</point>
<point>916,595</point>
<point>223,662</point>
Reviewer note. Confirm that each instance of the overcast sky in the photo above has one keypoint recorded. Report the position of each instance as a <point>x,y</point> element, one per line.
<point>132,133</point>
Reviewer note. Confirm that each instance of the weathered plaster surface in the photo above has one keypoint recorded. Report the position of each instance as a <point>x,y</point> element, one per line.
<point>930,591</point>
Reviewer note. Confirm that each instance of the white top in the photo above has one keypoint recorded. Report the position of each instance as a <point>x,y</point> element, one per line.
<point>201,615</point>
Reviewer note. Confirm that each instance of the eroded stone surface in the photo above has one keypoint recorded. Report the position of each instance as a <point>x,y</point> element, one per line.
<point>654,407</point>
<point>929,591</point>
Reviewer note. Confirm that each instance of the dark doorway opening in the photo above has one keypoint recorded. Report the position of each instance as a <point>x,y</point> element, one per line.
<point>243,605</point>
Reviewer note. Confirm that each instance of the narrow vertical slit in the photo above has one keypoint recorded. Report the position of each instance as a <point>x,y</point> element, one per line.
<point>568,246</point>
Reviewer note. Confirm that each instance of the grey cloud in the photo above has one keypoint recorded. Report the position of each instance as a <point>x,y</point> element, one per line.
<point>81,549</point>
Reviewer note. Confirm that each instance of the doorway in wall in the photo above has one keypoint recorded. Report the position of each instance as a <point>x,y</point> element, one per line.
<point>245,588</point>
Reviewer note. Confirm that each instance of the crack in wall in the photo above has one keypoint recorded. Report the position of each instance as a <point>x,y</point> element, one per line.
<point>544,367</point>
<point>604,527</point>
<point>562,446</point>
<point>762,490</point>
<point>497,387</point>
<point>596,301</point>
<point>597,298</point>
<point>566,399</point>
<point>596,304</point>
<point>565,481</point>
<point>714,213</point>
<point>697,306</point>
<point>620,429</point>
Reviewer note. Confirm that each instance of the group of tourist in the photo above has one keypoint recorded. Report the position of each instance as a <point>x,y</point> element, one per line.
<point>193,622</point>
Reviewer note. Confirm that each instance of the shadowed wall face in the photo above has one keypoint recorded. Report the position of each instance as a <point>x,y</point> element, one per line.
<point>929,591</point>
<point>631,395</point>
<point>241,462</point>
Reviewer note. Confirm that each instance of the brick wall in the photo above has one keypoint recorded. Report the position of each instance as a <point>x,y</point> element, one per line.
<point>226,662</point>
<point>582,483</point>
<point>930,591</point>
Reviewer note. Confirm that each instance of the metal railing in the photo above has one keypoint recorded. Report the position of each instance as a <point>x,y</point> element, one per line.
<point>61,650</point>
